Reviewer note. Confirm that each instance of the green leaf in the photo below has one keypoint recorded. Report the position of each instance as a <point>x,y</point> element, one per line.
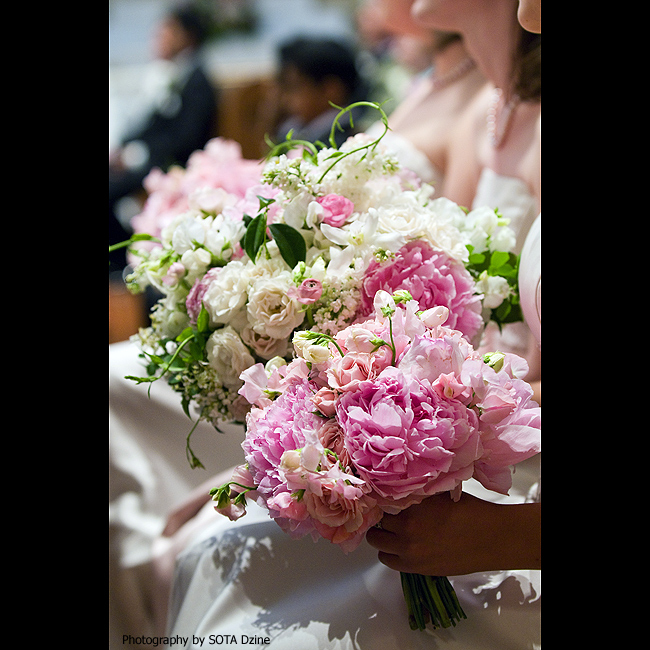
<point>499,258</point>
<point>187,333</point>
<point>290,243</point>
<point>255,235</point>
<point>203,319</point>
<point>264,202</point>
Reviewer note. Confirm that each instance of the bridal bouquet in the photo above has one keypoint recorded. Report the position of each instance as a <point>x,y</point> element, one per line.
<point>375,418</point>
<point>307,247</point>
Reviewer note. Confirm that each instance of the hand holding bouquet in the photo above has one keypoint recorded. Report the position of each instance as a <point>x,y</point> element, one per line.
<point>375,418</point>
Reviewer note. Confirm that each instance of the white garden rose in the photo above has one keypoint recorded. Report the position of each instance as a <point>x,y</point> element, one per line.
<point>270,310</point>
<point>228,356</point>
<point>264,345</point>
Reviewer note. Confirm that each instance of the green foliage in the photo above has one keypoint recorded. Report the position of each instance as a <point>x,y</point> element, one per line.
<point>505,265</point>
<point>290,242</point>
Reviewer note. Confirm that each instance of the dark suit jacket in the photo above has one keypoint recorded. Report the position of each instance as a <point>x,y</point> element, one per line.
<point>183,125</point>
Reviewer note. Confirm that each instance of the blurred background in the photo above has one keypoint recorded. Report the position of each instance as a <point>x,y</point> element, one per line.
<point>239,55</point>
<point>240,59</point>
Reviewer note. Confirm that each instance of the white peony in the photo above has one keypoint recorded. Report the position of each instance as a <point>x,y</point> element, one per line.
<point>227,293</point>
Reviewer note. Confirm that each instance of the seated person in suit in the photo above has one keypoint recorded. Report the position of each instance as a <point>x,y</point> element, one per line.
<point>312,73</point>
<point>182,122</point>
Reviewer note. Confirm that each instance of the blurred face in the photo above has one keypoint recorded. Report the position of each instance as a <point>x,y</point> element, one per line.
<point>300,96</point>
<point>170,39</point>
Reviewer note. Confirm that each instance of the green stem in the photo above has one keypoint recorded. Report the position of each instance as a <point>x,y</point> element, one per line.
<point>392,341</point>
<point>430,598</point>
<point>134,238</point>
<point>191,458</point>
<point>165,368</point>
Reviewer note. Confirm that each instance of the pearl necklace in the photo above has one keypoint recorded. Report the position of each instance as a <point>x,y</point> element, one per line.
<point>495,135</point>
<point>460,69</point>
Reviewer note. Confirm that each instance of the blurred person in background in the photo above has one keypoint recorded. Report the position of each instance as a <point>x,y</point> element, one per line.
<point>313,74</point>
<point>494,155</point>
<point>424,119</point>
<point>183,119</point>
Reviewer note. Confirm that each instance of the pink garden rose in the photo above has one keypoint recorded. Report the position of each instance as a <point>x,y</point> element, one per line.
<point>309,291</point>
<point>336,209</point>
<point>432,278</point>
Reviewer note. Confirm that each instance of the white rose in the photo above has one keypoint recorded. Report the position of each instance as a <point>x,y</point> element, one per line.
<point>263,345</point>
<point>270,310</point>
<point>228,356</point>
<point>227,293</point>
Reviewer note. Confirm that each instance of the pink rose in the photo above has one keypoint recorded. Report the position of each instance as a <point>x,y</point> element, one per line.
<point>308,292</point>
<point>336,209</point>
<point>325,401</point>
<point>346,373</point>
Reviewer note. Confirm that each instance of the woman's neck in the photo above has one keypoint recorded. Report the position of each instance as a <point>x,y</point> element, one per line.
<point>491,41</point>
<point>446,60</point>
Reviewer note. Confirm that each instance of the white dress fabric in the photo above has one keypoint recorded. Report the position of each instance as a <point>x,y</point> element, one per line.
<point>530,280</point>
<point>515,202</point>
<point>149,475</point>
<point>248,580</point>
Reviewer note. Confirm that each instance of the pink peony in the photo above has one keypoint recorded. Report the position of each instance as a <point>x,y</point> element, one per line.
<point>510,421</point>
<point>288,424</point>
<point>433,279</point>
<point>336,209</point>
<point>406,441</point>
